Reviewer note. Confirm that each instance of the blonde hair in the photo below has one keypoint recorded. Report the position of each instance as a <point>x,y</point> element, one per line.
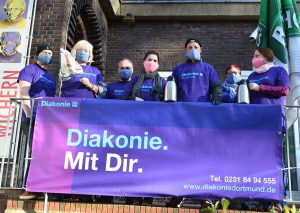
<point>83,43</point>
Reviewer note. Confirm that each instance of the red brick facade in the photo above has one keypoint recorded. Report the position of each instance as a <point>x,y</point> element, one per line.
<point>54,20</point>
<point>55,207</point>
<point>223,43</point>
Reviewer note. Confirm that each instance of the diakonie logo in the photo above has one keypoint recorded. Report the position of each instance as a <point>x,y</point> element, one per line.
<point>59,104</point>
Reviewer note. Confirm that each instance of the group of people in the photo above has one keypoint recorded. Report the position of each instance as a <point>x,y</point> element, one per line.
<point>268,84</point>
<point>196,80</point>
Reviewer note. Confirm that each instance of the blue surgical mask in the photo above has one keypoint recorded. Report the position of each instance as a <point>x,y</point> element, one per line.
<point>125,74</point>
<point>193,54</point>
<point>45,58</point>
<point>82,56</point>
<point>233,78</point>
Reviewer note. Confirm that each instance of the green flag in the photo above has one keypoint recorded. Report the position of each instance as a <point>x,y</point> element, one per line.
<point>271,31</point>
<point>278,29</point>
<point>292,30</point>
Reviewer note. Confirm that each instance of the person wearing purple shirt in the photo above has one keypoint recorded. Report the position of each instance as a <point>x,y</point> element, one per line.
<point>268,84</point>
<point>34,81</point>
<point>149,86</point>
<point>88,84</point>
<point>122,88</point>
<point>197,81</point>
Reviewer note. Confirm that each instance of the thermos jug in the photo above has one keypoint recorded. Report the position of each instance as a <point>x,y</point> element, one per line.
<point>243,93</point>
<point>170,89</point>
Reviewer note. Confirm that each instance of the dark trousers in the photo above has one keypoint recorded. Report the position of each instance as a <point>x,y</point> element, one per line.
<point>25,146</point>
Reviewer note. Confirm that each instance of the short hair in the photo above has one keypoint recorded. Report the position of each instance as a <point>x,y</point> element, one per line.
<point>151,52</point>
<point>191,40</point>
<point>266,52</point>
<point>42,47</point>
<point>81,44</point>
<point>125,59</point>
<point>230,67</point>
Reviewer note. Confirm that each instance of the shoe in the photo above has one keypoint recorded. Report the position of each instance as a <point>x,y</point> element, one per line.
<point>27,196</point>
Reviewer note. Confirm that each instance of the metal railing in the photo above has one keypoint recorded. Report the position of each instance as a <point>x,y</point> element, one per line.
<point>292,158</point>
<point>14,164</point>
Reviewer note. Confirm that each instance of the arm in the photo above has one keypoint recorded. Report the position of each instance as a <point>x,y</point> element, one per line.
<point>281,87</point>
<point>101,86</point>
<point>276,91</point>
<point>215,87</point>
<point>99,90</point>
<point>102,89</point>
<point>216,94</point>
<point>24,88</point>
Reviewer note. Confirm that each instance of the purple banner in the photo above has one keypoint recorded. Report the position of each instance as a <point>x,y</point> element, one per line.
<point>128,148</point>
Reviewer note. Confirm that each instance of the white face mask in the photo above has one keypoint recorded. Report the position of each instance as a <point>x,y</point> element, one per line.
<point>264,68</point>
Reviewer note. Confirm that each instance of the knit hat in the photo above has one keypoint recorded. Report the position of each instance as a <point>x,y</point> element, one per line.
<point>42,47</point>
<point>191,40</point>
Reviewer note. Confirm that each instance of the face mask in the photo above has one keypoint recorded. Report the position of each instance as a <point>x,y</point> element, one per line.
<point>125,74</point>
<point>258,62</point>
<point>82,56</point>
<point>233,78</point>
<point>264,68</point>
<point>150,66</point>
<point>45,58</point>
<point>193,54</point>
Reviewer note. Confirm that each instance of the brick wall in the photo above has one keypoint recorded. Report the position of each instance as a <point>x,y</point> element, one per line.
<point>49,26</point>
<point>223,43</point>
<point>13,206</point>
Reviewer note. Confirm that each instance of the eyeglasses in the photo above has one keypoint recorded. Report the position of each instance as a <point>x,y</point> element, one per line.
<point>125,68</point>
<point>232,71</point>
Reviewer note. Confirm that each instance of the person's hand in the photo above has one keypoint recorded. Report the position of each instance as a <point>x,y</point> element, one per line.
<point>86,82</point>
<point>216,101</point>
<point>254,86</point>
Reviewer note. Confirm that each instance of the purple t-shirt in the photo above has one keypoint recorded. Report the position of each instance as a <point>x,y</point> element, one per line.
<point>275,76</point>
<point>74,88</point>
<point>43,84</point>
<point>119,89</point>
<point>146,89</point>
<point>193,81</point>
